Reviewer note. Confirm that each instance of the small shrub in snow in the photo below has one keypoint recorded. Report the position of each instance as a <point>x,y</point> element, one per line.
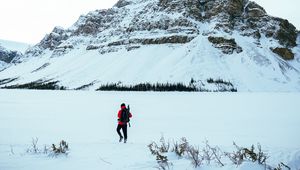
<point>282,166</point>
<point>162,162</point>
<point>164,165</point>
<point>194,156</point>
<point>158,151</point>
<point>162,148</point>
<point>242,154</point>
<point>46,150</point>
<point>153,148</point>
<point>236,156</point>
<point>212,154</point>
<point>256,155</point>
<point>180,148</point>
<point>208,154</point>
<point>165,146</point>
<point>63,148</point>
<point>34,146</point>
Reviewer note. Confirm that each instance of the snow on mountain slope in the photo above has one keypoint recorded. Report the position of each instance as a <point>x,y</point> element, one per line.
<point>167,41</point>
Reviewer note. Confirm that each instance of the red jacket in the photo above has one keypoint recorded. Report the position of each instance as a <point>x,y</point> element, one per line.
<point>119,116</point>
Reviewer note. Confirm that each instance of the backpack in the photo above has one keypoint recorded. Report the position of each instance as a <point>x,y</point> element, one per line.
<point>125,115</point>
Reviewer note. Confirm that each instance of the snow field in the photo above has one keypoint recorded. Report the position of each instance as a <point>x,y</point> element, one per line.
<point>87,121</point>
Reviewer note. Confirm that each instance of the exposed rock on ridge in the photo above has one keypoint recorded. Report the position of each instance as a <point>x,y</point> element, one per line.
<point>228,46</point>
<point>172,16</point>
<point>8,56</point>
<point>284,53</point>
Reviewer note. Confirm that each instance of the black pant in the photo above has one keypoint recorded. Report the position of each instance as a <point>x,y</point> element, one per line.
<point>124,129</point>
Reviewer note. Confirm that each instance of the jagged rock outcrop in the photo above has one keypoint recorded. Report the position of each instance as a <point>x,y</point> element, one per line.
<point>97,21</point>
<point>253,10</point>
<point>50,41</point>
<point>132,44</point>
<point>286,34</point>
<point>122,3</point>
<point>187,7</point>
<point>164,23</point>
<point>55,38</point>
<point>227,46</point>
<point>235,8</point>
<point>284,53</point>
<point>162,40</point>
<point>8,56</point>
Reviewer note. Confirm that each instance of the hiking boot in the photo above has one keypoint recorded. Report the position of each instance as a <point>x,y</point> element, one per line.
<point>125,140</point>
<point>121,138</point>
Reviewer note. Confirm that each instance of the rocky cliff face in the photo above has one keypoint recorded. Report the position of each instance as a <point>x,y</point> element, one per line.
<point>170,17</point>
<point>210,27</point>
<point>8,57</point>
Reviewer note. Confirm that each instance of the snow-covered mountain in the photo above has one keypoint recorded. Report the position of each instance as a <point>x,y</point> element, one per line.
<point>139,41</point>
<point>11,52</point>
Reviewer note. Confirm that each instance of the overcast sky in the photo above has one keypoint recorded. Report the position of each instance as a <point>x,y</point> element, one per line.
<point>29,20</point>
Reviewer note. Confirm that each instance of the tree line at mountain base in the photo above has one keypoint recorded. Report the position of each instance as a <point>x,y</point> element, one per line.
<point>220,86</point>
<point>37,85</point>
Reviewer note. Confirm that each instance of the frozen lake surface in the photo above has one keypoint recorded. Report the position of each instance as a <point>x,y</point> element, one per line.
<point>87,121</point>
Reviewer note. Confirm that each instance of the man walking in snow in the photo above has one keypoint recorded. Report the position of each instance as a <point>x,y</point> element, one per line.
<point>123,118</point>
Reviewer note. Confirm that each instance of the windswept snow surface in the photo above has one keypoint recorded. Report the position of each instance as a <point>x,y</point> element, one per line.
<point>87,121</point>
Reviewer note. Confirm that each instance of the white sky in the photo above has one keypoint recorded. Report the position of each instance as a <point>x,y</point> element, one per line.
<point>29,20</point>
